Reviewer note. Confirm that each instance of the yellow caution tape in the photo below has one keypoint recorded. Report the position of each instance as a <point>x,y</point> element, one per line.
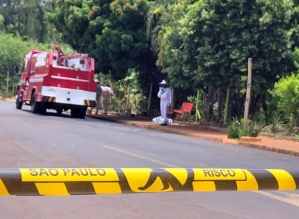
<point>91,103</point>
<point>84,181</point>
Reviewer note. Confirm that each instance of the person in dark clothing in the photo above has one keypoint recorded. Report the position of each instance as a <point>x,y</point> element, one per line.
<point>98,97</point>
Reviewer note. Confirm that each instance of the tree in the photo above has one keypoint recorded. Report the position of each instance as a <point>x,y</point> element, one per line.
<point>26,18</point>
<point>112,32</point>
<point>211,41</point>
<point>158,15</point>
<point>286,97</point>
<point>1,21</point>
<point>12,53</point>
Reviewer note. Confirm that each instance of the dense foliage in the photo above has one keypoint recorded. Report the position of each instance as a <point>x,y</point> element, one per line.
<point>208,43</point>
<point>286,95</point>
<point>195,44</point>
<point>12,52</point>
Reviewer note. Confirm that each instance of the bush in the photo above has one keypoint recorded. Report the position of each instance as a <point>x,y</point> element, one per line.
<point>276,123</point>
<point>128,87</point>
<point>290,126</point>
<point>5,95</point>
<point>286,97</point>
<point>187,117</point>
<point>255,130</point>
<point>244,131</point>
<point>260,117</point>
<point>233,129</point>
<point>236,129</point>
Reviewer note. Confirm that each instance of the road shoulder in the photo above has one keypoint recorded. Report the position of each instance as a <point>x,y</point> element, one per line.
<point>282,146</point>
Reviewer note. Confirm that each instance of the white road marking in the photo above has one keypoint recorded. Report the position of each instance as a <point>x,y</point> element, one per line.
<point>139,156</point>
<point>292,199</point>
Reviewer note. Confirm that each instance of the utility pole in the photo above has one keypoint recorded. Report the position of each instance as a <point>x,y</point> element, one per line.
<point>150,98</point>
<point>247,101</point>
<point>197,113</point>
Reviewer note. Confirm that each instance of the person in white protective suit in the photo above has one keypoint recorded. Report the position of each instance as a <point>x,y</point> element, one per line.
<point>165,101</point>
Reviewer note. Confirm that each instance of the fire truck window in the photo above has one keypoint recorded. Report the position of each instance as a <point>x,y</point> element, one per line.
<point>25,66</point>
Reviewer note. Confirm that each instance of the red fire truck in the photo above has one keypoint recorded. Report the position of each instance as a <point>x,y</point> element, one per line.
<point>52,80</point>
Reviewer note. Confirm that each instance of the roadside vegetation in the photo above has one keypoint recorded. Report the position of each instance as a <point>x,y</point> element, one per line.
<point>196,45</point>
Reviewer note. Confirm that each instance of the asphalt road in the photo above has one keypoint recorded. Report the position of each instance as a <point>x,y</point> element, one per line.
<point>28,140</point>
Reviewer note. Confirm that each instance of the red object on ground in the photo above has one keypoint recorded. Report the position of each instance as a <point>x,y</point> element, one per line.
<point>185,108</point>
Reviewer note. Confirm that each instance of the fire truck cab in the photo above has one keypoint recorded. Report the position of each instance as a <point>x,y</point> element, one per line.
<point>51,80</point>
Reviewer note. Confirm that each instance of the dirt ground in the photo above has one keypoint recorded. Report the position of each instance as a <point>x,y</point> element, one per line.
<point>9,99</point>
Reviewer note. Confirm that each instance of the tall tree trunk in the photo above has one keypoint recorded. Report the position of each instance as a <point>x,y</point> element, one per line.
<point>211,105</point>
<point>197,112</point>
<point>206,105</point>
<point>219,108</point>
<point>150,97</point>
<point>226,106</point>
<point>26,20</point>
<point>240,105</point>
<point>256,105</point>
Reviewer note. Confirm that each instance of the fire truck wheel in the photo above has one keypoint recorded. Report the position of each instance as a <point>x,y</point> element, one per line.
<point>43,109</point>
<point>35,106</point>
<point>19,103</point>
<point>82,112</point>
<point>59,111</point>
<point>74,113</point>
<point>78,112</point>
